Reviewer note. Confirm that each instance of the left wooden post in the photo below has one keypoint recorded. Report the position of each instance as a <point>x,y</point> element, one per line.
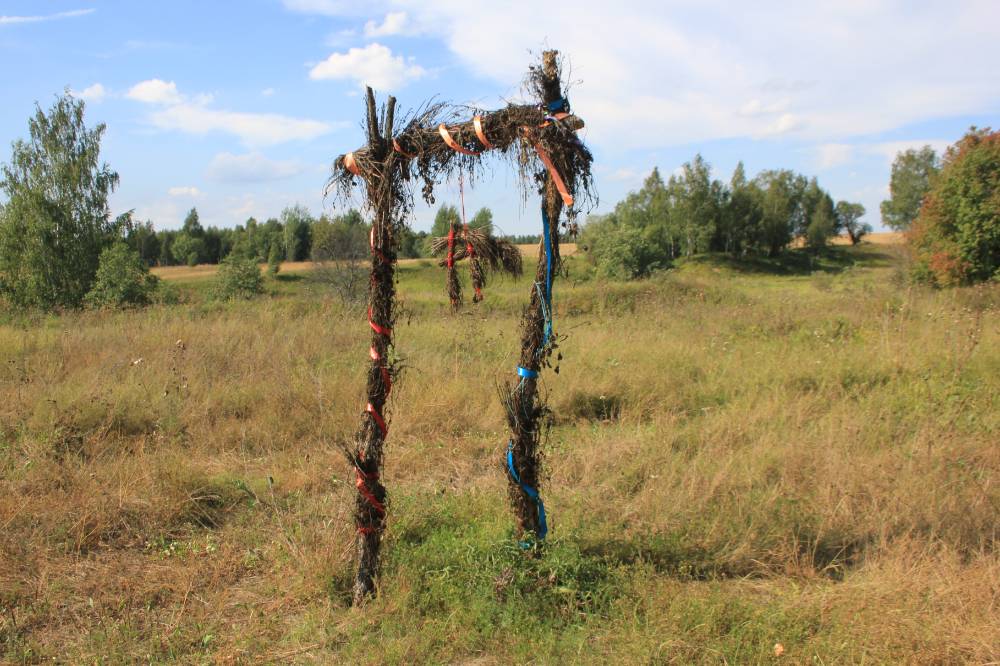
<point>381,182</point>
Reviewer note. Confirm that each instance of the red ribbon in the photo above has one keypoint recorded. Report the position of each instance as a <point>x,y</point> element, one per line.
<point>362,486</point>
<point>382,330</point>
<point>379,421</point>
<point>386,379</point>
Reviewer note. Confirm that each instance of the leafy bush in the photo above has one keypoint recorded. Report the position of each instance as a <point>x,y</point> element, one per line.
<point>274,257</point>
<point>956,237</point>
<point>238,277</point>
<point>122,280</point>
<point>619,251</point>
<point>168,293</point>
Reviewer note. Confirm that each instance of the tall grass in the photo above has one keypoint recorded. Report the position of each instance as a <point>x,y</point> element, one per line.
<point>740,456</point>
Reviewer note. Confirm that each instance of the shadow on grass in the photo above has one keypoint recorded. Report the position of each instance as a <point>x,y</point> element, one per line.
<point>799,262</point>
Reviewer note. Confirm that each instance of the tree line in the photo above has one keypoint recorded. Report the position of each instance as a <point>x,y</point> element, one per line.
<point>289,237</point>
<point>692,213</point>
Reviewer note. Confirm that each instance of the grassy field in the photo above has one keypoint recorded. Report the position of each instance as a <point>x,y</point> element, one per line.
<point>780,461</point>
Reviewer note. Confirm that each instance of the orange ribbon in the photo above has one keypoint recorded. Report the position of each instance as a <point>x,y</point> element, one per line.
<point>556,178</point>
<point>351,164</point>
<point>477,123</point>
<point>443,131</point>
<point>396,147</point>
<point>557,116</point>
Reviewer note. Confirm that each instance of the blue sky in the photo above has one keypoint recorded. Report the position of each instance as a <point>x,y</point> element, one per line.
<point>238,108</point>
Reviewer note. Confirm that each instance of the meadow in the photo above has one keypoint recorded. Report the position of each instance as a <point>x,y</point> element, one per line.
<point>790,460</point>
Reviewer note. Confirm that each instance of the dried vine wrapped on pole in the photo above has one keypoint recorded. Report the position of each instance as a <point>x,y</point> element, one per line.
<point>435,143</point>
<point>382,189</point>
<point>567,168</point>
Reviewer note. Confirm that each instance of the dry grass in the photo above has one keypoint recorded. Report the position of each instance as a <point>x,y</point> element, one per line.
<point>737,460</point>
<point>531,249</point>
<point>208,270</point>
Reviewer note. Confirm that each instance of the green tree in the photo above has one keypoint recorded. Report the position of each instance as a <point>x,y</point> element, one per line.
<point>297,226</point>
<point>56,221</point>
<point>166,257</point>
<point>143,239</point>
<point>781,194</point>
<point>956,237</point>
<point>411,243</point>
<point>822,223</point>
<point>696,205</point>
<point>192,224</point>
<point>849,220</point>
<point>482,220</point>
<point>123,279</point>
<point>445,217</point>
<point>913,172</point>
<point>187,249</point>
<point>741,215</point>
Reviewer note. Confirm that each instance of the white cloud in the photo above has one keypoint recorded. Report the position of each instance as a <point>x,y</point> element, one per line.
<point>191,192</point>
<point>624,174</point>
<point>250,168</point>
<point>692,72</point>
<point>193,116</point>
<point>373,65</point>
<point>94,93</point>
<point>267,92</point>
<point>830,155</point>
<point>395,23</point>
<point>328,7</point>
<point>251,128</point>
<point>155,91</point>
<point>756,107</point>
<point>786,123</point>
<point>8,20</point>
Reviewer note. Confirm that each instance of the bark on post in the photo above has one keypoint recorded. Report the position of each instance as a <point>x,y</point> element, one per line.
<point>526,410</point>
<point>371,497</point>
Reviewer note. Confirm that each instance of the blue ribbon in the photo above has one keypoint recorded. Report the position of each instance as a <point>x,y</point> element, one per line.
<point>527,374</point>
<point>543,527</point>
<point>556,105</point>
<point>547,300</point>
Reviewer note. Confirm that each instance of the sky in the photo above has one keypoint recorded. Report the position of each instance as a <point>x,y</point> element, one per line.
<point>239,108</point>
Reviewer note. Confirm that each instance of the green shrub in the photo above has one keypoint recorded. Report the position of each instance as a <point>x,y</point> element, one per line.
<point>239,277</point>
<point>620,251</point>
<point>274,257</point>
<point>122,280</point>
<point>167,293</point>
